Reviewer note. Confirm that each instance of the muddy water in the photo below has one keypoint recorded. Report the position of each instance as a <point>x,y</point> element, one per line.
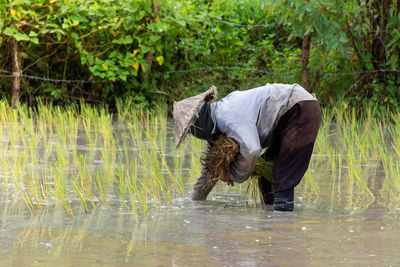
<point>209,233</point>
<point>332,225</point>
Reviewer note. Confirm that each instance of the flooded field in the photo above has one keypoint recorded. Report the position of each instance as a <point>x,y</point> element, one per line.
<point>80,187</point>
<point>203,234</point>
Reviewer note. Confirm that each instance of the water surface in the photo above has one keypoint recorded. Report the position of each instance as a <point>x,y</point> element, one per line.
<point>335,224</point>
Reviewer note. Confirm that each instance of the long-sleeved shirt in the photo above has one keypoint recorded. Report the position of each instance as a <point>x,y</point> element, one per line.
<point>250,118</point>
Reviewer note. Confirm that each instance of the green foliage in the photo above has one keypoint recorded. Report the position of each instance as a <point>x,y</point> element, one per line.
<point>144,50</point>
<point>351,37</point>
<point>80,40</point>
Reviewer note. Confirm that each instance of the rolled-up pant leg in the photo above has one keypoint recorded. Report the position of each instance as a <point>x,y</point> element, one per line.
<point>294,140</point>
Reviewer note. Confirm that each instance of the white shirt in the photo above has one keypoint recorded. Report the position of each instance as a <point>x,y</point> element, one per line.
<point>250,118</point>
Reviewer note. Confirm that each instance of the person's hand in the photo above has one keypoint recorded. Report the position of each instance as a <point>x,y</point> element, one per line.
<point>227,180</point>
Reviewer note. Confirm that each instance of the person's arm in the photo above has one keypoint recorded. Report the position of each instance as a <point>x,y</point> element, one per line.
<point>247,136</point>
<point>203,186</point>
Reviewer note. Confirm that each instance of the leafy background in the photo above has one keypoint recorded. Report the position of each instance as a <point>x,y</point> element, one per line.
<point>162,50</point>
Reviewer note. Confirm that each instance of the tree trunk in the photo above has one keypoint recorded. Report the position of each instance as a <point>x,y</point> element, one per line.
<point>398,7</point>
<point>305,57</point>
<point>16,72</point>
<point>150,55</point>
<point>380,19</point>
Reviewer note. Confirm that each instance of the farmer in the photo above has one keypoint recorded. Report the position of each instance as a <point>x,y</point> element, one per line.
<point>283,118</point>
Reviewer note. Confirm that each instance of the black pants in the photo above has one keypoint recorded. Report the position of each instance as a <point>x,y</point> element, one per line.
<point>293,143</point>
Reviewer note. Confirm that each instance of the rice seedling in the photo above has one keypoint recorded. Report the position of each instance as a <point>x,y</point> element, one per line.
<point>34,188</point>
<point>5,170</point>
<point>253,192</point>
<point>101,185</point>
<point>79,189</point>
<point>124,109</point>
<point>178,156</point>
<point>104,124</point>
<point>131,186</point>
<point>52,154</point>
<point>59,190</point>
<point>194,148</point>
<point>313,185</point>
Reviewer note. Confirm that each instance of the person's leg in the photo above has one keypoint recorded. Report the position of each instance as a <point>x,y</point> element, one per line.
<point>265,186</point>
<point>266,191</point>
<point>297,131</point>
<point>284,200</point>
<point>202,187</point>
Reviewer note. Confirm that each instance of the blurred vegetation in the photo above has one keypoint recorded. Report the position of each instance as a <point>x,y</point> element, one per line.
<point>152,51</point>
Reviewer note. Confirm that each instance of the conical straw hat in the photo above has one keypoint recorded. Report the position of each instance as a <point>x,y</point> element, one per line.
<point>185,110</point>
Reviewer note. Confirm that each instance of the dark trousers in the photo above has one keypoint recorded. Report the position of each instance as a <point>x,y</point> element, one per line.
<point>292,145</point>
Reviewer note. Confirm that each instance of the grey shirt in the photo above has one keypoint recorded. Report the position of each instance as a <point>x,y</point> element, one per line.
<point>250,118</point>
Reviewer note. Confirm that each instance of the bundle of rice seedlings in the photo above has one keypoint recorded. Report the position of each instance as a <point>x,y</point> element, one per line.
<point>221,153</point>
<point>263,168</point>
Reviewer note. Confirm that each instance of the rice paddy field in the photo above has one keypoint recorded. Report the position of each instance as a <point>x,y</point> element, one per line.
<point>80,185</point>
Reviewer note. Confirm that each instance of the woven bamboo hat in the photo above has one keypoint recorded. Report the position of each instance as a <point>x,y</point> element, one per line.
<point>185,110</point>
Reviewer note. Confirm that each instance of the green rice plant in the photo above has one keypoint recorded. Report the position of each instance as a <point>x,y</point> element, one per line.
<point>4,158</point>
<point>122,183</point>
<point>390,190</point>
<point>14,140</point>
<point>356,172</point>
<point>108,159</point>
<point>77,180</point>
<point>125,146</point>
<point>173,181</point>
<point>104,123</point>
<point>19,186</point>
<point>153,180</point>
<point>44,183</point>
<point>5,171</point>
<point>131,185</point>
<point>32,181</point>
<point>91,138</point>
<point>57,171</point>
<point>85,181</point>
<point>80,191</point>
<point>148,155</point>
<point>4,108</point>
<point>355,145</point>
<point>101,185</point>
<point>390,164</point>
<point>48,148</point>
<point>194,148</point>
<point>253,191</point>
<point>392,171</point>
<point>135,132</point>
<point>73,125</point>
<point>339,172</point>
<point>140,192</point>
<point>322,145</point>
<point>26,198</point>
<point>125,109</point>
<point>309,179</point>
<point>152,158</point>
<point>395,134</point>
<point>61,126</point>
<point>178,156</point>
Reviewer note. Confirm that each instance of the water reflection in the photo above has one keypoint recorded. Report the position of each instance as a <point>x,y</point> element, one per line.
<point>205,233</point>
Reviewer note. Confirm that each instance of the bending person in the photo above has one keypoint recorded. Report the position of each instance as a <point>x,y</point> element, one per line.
<point>283,118</point>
